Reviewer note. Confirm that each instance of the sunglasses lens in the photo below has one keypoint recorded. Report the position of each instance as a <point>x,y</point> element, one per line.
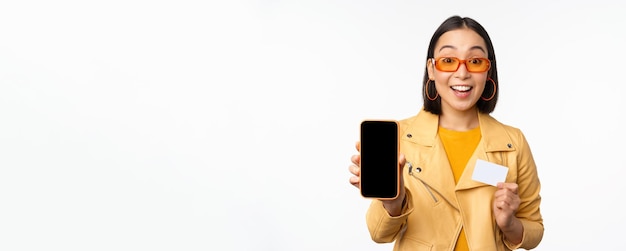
<point>477,65</point>
<point>451,64</point>
<point>447,64</point>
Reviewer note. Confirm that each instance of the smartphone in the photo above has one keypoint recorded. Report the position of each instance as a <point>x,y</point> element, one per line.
<point>380,174</point>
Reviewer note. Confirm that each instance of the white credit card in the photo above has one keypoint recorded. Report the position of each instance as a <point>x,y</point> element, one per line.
<point>489,173</point>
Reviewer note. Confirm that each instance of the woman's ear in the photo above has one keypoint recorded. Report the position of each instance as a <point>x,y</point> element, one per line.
<point>430,67</point>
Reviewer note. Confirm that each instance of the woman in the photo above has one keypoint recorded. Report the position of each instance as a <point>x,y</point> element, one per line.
<point>440,206</point>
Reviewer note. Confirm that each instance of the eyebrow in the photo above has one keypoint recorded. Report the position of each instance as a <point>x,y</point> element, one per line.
<point>472,48</point>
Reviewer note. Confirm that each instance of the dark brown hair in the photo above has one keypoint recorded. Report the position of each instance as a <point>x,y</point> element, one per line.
<point>454,23</point>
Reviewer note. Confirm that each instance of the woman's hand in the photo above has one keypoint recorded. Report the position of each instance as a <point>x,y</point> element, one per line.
<point>505,205</point>
<point>355,168</point>
<point>393,207</point>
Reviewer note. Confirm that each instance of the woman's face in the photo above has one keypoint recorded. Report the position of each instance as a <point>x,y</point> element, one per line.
<point>461,89</point>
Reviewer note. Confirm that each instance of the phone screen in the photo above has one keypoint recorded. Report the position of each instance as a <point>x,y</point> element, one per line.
<point>379,159</point>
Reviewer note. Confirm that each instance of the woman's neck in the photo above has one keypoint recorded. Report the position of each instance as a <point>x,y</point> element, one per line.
<point>459,120</point>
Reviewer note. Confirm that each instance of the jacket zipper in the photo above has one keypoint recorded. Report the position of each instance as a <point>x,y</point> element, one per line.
<point>425,185</point>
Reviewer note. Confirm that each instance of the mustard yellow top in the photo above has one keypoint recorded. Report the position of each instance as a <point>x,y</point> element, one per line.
<point>459,147</point>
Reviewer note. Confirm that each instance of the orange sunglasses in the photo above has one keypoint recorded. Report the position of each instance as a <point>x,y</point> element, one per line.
<point>452,64</point>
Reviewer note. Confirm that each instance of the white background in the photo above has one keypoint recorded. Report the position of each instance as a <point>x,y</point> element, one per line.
<point>228,125</point>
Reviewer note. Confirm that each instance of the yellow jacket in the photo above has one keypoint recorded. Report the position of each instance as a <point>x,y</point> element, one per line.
<point>436,208</point>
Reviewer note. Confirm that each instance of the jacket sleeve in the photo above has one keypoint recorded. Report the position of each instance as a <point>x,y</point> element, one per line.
<point>383,227</point>
<point>528,191</point>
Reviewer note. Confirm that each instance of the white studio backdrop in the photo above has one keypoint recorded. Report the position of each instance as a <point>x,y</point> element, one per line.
<point>228,125</point>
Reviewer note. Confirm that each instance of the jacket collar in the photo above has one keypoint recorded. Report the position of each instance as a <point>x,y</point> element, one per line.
<point>422,129</point>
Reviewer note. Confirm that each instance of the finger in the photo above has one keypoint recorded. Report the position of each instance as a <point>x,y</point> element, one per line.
<point>355,170</point>
<point>512,187</point>
<point>355,181</point>
<point>357,145</point>
<point>502,205</point>
<point>505,195</point>
<point>401,161</point>
<point>356,159</point>
<point>502,193</point>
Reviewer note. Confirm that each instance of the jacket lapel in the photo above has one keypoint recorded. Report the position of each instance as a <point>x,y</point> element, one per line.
<point>435,167</point>
<point>494,139</point>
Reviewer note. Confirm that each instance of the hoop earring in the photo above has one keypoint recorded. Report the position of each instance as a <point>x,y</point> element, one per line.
<point>494,91</point>
<point>426,91</point>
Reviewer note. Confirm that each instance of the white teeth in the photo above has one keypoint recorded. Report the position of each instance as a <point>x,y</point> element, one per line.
<point>461,88</point>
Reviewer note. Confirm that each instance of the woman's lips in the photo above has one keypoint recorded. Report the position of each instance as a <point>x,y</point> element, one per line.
<point>461,91</point>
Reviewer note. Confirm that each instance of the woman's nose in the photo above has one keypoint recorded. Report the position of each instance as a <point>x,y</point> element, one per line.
<point>462,72</point>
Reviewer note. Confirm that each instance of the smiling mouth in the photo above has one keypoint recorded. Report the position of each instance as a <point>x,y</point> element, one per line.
<point>461,88</point>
